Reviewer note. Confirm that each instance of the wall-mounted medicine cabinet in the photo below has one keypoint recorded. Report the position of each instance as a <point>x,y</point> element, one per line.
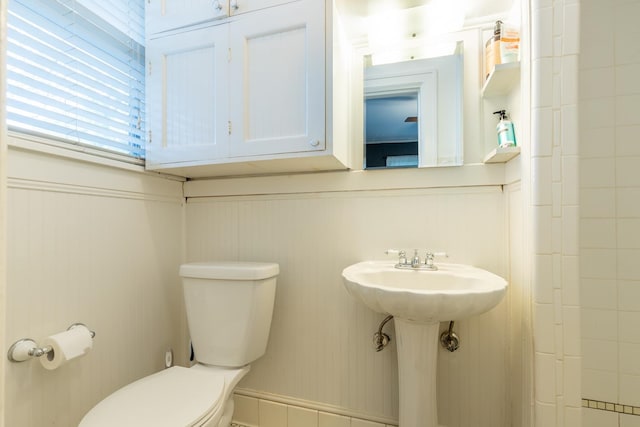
<point>262,90</point>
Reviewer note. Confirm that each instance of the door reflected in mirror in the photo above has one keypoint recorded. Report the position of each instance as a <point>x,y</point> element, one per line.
<point>413,112</point>
<point>391,130</point>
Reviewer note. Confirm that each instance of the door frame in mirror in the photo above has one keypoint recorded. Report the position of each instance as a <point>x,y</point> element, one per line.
<point>440,117</point>
<point>392,79</point>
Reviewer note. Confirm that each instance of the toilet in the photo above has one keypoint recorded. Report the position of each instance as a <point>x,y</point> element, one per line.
<point>229,307</point>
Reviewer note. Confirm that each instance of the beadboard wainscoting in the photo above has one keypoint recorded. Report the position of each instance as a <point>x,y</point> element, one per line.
<point>92,244</point>
<point>320,348</point>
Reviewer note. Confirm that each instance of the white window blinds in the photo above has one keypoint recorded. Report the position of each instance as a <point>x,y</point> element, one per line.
<point>75,71</point>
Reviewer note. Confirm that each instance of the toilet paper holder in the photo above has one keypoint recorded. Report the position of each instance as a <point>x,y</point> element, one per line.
<point>26,348</point>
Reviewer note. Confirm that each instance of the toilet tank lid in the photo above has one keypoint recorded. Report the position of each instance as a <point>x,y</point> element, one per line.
<point>230,270</point>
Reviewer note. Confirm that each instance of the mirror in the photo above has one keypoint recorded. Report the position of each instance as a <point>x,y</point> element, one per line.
<point>413,112</point>
<point>405,31</point>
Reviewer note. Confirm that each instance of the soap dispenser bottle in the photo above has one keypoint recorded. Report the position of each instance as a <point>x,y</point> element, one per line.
<point>506,134</point>
<point>492,50</point>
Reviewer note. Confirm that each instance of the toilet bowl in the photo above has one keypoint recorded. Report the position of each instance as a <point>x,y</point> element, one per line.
<point>199,396</point>
<point>229,308</point>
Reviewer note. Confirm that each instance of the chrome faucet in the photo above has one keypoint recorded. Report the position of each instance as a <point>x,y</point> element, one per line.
<point>415,263</point>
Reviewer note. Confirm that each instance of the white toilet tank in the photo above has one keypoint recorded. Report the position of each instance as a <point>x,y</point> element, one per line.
<point>229,307</point>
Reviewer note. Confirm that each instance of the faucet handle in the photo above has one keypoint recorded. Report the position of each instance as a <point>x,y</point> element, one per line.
<point>437,254</point>
<point>428,259</point>
<point>399,252</point>
<point>402,255</point>
<point>441,254</point>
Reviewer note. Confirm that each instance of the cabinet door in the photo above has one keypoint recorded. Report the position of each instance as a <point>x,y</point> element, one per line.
<point>187,96</point>
<point>237,7</point>
<point>277,72</point>
<point>163,15</point>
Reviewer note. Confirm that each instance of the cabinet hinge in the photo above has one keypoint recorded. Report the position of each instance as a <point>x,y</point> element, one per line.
<point>229,127</point>
<point>149,68</point>
<point>229,55</point>
<point>150,137</point>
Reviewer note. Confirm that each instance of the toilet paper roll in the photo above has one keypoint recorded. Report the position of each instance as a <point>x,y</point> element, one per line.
<point>66,346</point>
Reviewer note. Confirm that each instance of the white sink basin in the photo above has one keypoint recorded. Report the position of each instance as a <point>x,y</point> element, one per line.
<point>418,301</point>
<point>453,292</point>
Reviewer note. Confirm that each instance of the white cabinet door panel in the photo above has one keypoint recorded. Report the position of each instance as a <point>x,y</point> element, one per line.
<point>187,96</point>
<point>238,7</point>
<point>277,72</point>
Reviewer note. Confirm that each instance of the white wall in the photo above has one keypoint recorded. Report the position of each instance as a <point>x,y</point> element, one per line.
<point>100,245</point>
<point>610,209</point>
<point>92,244</point>
<point>3,198</point>
<point>520,316</point>
<point>320,350</point>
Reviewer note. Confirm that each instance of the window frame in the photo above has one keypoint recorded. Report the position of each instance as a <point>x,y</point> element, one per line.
<point>76,146</point>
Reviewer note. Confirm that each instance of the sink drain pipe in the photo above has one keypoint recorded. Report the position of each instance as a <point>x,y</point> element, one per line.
<point>449,339</point>
<point>380,339</point>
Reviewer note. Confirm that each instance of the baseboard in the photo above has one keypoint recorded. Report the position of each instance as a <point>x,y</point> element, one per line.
<point>253,408</point>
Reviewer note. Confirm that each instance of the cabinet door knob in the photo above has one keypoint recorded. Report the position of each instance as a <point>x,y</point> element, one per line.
<point>234,5</point>
<point>217,5</point>
<point>314,143</point>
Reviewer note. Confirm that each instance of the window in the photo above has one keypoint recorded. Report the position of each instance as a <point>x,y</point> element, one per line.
<point>75,72</point>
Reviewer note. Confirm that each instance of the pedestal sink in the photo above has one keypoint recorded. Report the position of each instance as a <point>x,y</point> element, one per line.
<point>419,300</point>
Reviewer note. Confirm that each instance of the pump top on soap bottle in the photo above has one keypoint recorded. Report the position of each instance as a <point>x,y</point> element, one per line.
<point>497,29</point>
<point>506,134</point>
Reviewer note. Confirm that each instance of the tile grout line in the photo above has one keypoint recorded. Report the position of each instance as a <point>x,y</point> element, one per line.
<point>611,407</point>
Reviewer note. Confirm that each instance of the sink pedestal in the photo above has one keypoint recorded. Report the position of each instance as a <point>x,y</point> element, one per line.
<point>417,345</point>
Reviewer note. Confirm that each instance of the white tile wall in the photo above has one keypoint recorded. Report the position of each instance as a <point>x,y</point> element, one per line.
<point>256,412</point>
<point>331,420</point>
<point>362,423</point>
<point>545,414</point>
<point>595,418</point>
<point>629,421</point>
<point>610,211</point>
<point>246,411</point>
<point>557,259</point>
<point>302,417</point>
<point>598,413</point>
<point>629,295</point>
<point>272,414</point>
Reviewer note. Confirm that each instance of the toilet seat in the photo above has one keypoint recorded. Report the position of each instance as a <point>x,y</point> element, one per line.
<point>170,398</point>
